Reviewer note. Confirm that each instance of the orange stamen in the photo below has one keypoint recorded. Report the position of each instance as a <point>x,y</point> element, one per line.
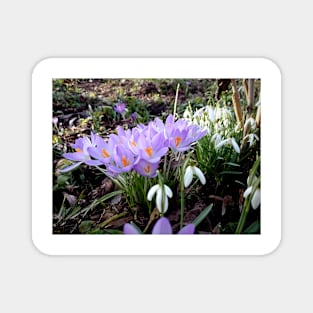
<point>125,161</point>
<point>149,151</point>
<point>147,169</point>
<point>105,153</point>
<point>134,143</point>
<point>177,141</point>
<point>78,150</point>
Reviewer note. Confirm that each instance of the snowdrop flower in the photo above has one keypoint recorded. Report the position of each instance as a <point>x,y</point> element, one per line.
<point>256,198</point>
<point>217,138</point>
<point>191,171</point>
<point>211,113</point>
<point>231,141</point>
<point>158,190</point>
<point>250,121</point>
<point>252,138</point>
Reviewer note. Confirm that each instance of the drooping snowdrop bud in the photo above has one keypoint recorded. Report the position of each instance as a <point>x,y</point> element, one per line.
<point>193,171</point>
<point>158,190</point>
<point>231,141</point>
<point>256,198</point>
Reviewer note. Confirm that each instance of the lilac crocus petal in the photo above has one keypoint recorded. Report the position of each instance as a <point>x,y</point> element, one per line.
<point>187,230</point>
<point>71,167</point>
<point>75,156</point>
<point>129,229</point>
<point>93,162</point>
<point>162,227</point>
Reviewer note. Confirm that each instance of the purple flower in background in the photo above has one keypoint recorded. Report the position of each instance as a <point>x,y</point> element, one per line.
<point>133,116</point>
<point>120,108</point>
<point>81,154</point>
<point>55,121</point>
<point>161,227</point>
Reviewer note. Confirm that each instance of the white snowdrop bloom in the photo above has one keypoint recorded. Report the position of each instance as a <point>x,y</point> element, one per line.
<point>217,138</point>
<point>231,141</point>
<point>252,138</point>
<point>193,171</point>
<point>211,113</point>
<point>187,115</point>
<point>256,198</point>
<point>199,112</point>
<point>235,145</point>
<point>159,196</point>
<point>222,143</point>
<point>250,121</point>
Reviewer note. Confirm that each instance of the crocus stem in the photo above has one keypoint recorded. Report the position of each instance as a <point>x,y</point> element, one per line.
<point>175,103</point>
<point>182,199</point>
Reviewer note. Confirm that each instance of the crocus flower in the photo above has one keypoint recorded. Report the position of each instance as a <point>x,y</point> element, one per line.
<point>191,171</point>
<point>162,207</point>
<point>122,160</point>
<point>103,151</point>
<point>181,134</point>
<point>81,154</point>
<point>146,168</point>
<point>161,227</point>
<point>120,108</point>
<point>148,148</point>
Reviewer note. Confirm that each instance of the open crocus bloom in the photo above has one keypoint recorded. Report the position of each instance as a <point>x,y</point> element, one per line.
<point>161,227</point>
<point>122,161</point>
<point>120,107</point>
<point>103,151</point>
<point>182,134</point>
<point>146,168</point>
<point>81,154</point>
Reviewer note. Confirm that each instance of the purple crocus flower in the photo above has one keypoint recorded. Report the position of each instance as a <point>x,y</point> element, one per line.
<point>153,148</point>
<point>81,154</point>
<point>122,160</point>
<point>146,168</point>
<point>120,108</point>
<point>103,151</point>
<point>181,134</point>
<point>161,227</point>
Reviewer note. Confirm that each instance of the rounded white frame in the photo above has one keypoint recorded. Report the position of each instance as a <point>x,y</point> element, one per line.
<point>51,68</point>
